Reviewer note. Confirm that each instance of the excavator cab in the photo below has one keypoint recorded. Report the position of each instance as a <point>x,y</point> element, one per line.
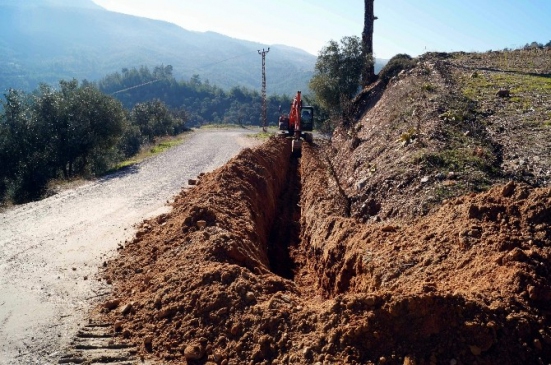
<point>307,118</point>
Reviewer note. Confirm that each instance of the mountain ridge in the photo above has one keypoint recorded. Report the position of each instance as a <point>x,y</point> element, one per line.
<point>37,47</point>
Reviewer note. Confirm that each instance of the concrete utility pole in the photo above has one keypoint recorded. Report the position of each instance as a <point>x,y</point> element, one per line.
<point>264,107</point>
<point>368,76</point>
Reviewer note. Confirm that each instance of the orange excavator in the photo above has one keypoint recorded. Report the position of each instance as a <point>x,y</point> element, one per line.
<point>299,120</point>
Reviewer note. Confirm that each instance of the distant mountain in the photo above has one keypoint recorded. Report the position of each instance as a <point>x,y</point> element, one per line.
<point>47,40</point>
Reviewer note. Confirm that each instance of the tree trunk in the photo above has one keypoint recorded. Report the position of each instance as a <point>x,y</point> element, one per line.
<point>368,76</point>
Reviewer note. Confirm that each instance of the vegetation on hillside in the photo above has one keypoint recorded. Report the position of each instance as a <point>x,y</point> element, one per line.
<point>337,77</point>
<point>203,102</point>
<point>75,131</point>
<point>444,125</point>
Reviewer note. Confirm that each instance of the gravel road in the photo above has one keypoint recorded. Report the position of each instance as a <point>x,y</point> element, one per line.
<point>50,250</point>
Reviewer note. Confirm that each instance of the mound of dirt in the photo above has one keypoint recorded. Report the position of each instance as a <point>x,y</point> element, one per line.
<point>239,273</point>
<point>468,283</point>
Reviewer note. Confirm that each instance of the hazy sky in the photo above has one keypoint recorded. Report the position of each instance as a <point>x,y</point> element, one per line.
<point>404,26</point>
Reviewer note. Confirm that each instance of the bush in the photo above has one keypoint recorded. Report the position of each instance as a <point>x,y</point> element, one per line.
<point>396,65</point>
<point>131,141</point>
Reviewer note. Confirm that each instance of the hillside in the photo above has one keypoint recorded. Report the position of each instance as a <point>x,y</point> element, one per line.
<point>47,40</point>
<point>455,135</point>
<point>418,235</point>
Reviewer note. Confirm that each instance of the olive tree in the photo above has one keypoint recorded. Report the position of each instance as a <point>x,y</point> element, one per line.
<point>337,74</point>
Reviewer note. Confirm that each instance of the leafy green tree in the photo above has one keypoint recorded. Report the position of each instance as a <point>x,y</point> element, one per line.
<point>24,152</point>
<point>89,123</point>
<point>337,74</point>
<point>153,118</point>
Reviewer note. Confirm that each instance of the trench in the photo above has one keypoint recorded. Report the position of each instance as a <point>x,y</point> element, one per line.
<point>284,236</point>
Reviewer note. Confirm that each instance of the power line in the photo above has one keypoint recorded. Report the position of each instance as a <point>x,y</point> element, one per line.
<point>136,86</point>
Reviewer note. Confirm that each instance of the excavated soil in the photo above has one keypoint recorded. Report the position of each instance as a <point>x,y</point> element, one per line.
<point>263,262</point>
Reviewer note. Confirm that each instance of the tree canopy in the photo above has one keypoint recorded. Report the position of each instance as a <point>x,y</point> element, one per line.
<point>69,131</point>
<point>337,75</point>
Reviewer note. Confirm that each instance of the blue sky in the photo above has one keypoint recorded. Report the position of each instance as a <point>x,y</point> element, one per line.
<point>404,26</point>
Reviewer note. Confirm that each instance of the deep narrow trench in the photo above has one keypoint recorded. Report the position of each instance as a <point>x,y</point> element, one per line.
<point>284,236</point>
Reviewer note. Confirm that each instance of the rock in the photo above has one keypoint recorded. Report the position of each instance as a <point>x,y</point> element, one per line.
<point>218,356</point>
<point>503,93</point>
<point>236,329</point>
<point>126,309</point>
<point>192,182</point>
<point>516,254</point>
<point>250,297</point>
<point>388,228</point>
<point>408,360</point>
<point>194,352</point>
<point>201,224</point>
<point>361,184</point>
<point>158,300</point>
<point>425,179</point>
<point>370,301</point>
<point>112,304</point>
<point>118,326</point>
<point>508,189</point>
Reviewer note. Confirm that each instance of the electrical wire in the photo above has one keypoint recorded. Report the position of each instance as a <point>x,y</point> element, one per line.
<point>197,68</point>
<point>136,86</point>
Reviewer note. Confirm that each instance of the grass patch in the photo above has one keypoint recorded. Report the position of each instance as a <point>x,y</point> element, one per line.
<point>459,160</point>
<point>226,126</point>
<point>428,87</point>
<point>522,86</point>
<point>161,145</point>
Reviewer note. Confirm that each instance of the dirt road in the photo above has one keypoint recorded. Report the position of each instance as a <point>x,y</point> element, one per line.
<point>50,250</point>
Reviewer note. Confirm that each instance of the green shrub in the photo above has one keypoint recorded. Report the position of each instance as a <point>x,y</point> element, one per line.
<point>395,65</point>
<point>131,141</point>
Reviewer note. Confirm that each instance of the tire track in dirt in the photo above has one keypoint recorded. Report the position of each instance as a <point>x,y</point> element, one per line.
<point>50,250</point>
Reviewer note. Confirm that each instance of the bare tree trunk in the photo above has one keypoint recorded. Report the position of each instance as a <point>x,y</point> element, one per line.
<point>368,76</point>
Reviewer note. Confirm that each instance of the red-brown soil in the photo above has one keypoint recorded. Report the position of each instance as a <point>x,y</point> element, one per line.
<point>468,284</point>
<point>418,235</point>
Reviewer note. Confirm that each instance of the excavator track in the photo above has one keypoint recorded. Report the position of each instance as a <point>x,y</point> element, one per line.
<point>96,344</point>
